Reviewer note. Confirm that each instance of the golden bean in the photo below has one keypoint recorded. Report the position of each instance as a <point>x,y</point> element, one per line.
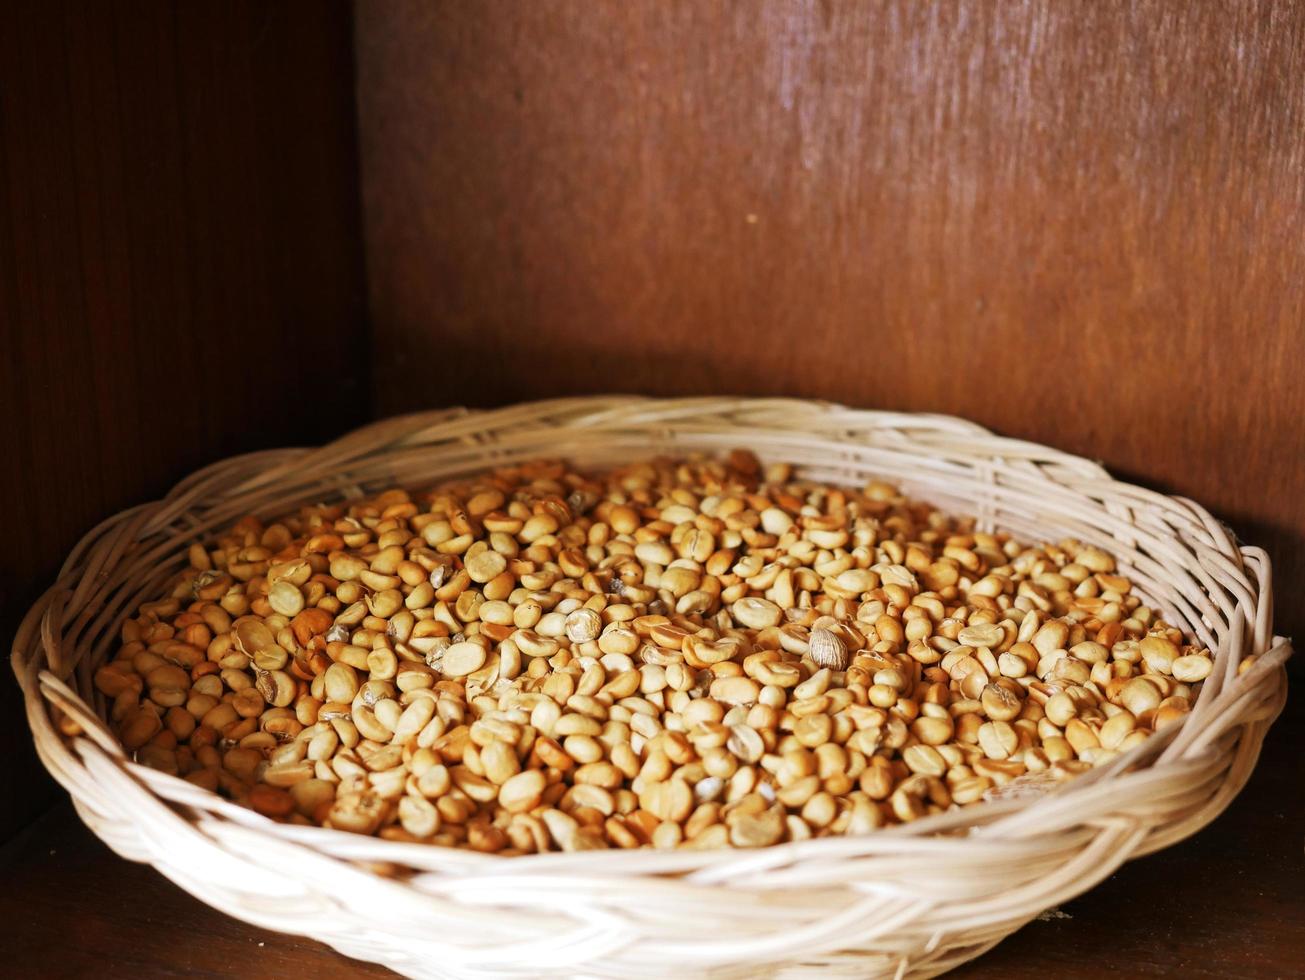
<point>1060,709</point>
<point>1158,654</point>
<point>500,762</point>
<point>981,635</point>
<point>623,519</point>
<point>668,801</point>
<point>798,792</point>
<point>813,730</point>
<point>385,603</point>
<point>583,748</point>
<point>418,816</point>
<point>277,687</point>
<point>933,731</point>
<point>1116,729</point>
<point>139,726</point>
<point>1000,703</point>
<point>436,781</point>
<point>463,658</point>
<point>924,759</point>
<point>485,566</point>
<point>756,613</point>
<point>285,598</point>
<point>1139,696</point>
<point>602,774</point>
<point>1191,668</point>
<point>998,740</point>
<point>1051,637</point>
<point>360,813</point>
<point>1080,736</point>
<point>736,690</point>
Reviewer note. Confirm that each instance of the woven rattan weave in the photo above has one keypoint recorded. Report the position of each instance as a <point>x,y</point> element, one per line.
<point>908,901</point>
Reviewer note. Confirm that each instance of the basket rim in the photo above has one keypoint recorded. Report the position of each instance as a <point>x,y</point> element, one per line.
<point>42,687</point>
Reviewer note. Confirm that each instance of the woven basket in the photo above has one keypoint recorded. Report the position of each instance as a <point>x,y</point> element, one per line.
<point>912,900</point>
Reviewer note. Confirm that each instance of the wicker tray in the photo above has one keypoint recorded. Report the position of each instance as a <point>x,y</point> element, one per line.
<point>907,901</point>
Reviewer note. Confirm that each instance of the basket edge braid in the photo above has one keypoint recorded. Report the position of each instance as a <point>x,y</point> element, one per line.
<point>911,901</point>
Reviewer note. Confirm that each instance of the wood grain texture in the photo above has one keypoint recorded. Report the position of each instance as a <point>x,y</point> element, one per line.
<point>1076,223</point>
<point>1225,905</point>
<point>180,267</point>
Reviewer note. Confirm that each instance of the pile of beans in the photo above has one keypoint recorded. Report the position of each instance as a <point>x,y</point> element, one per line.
<point>677,653</point>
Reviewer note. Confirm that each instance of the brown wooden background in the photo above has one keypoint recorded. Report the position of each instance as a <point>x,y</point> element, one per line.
<point>180,269</point>
<point>1079,223</point>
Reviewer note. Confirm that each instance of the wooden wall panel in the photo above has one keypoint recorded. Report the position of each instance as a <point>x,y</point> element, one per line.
<point>1080,223</point>
<point>180,268</point>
